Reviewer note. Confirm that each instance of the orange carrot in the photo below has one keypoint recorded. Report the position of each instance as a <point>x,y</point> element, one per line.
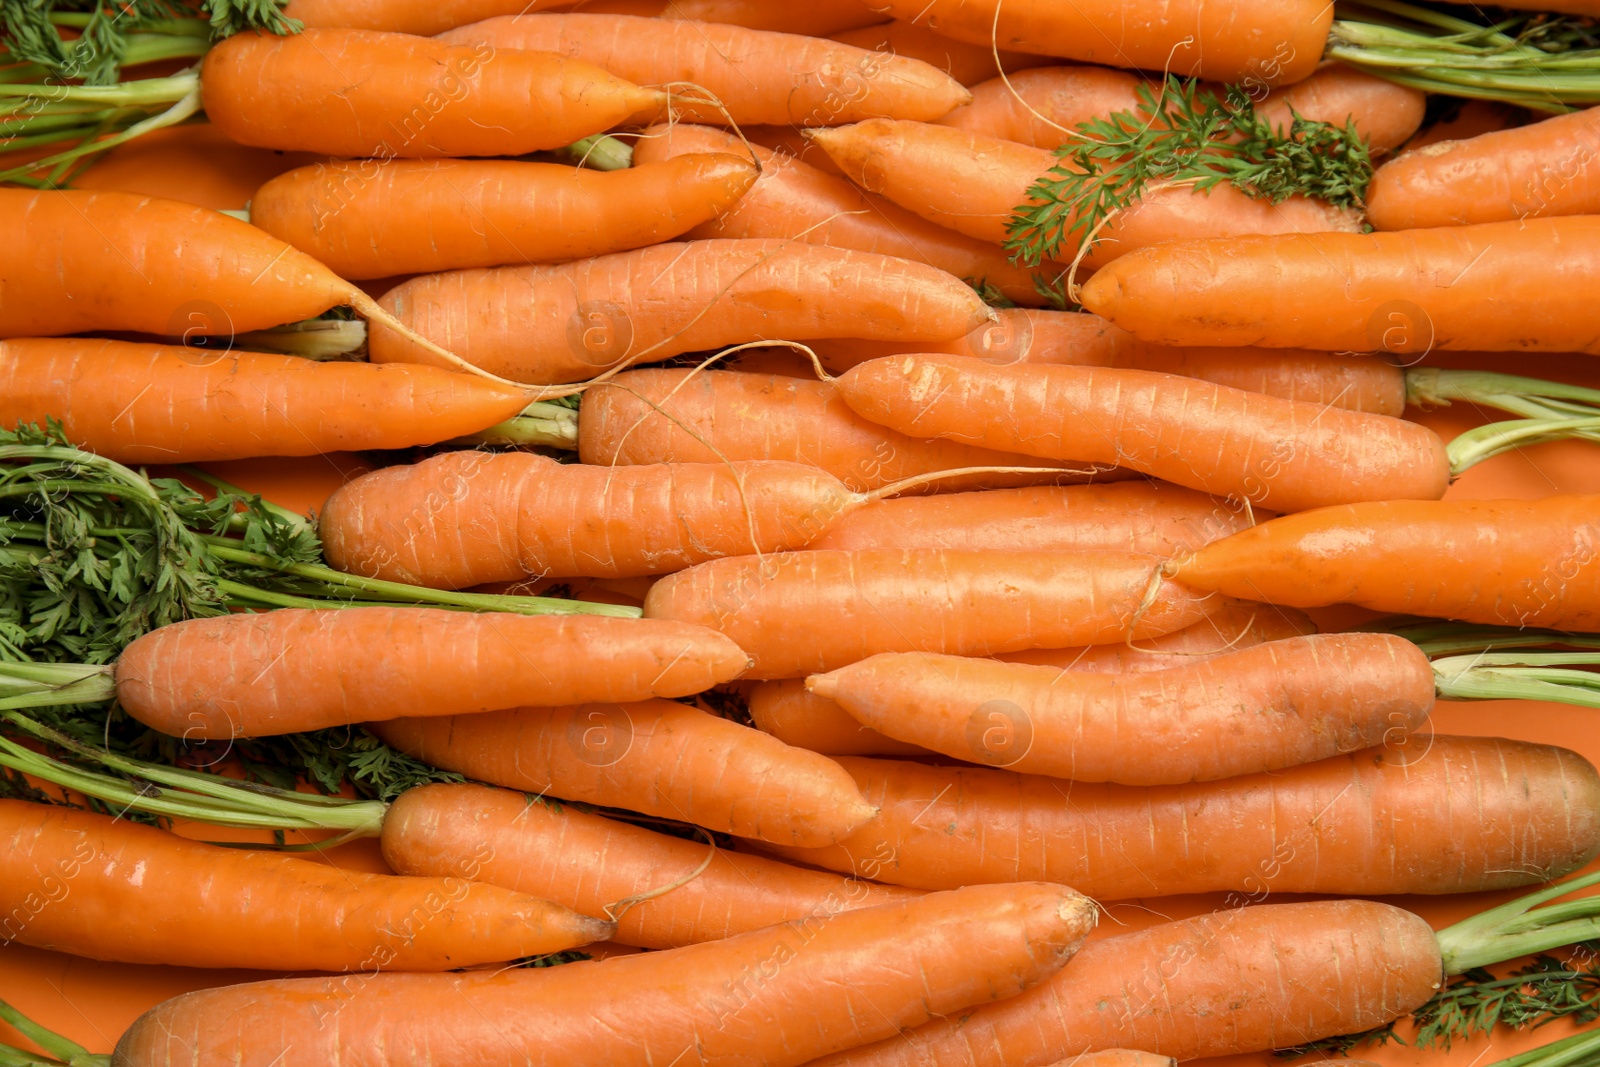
<point>1121,1057</point>
<point>758,75</point>
<point>967,63</point>
<point>374,220</point>
<point>1264,708</point>
<point>1469,119</point>
<point>110,889</point>
<point>567,323</point>
<point>973,183</point>
<point>1506,562</point>
<point>795,200</point>
<point>421,17</point>
<point>802,612</point>
<point>794,715</point>
<point>1282,454</point>
<point>1432,815</point>
<point>365,93</point>
<point>820,19</point>
<point>791,142</point>
<point>656,757</point>
<point>779,997</point>
<point>293,669</point>
<point>1499,286</point>
<point>1385,114</point>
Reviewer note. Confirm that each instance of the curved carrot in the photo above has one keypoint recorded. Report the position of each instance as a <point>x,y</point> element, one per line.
<point>421,17</point>
<point>141,403</point>
<point>1546,168</point>
<point>466,518</point>
<point>964,61</point>
<point>364,93</point>
<point>796,716</point>
<point>973,183</point>
<point>779,997</point>
<point>688,416</point>
<point>802,612</point>
<point>1510,562</point>
<point>592,863</point>
<point>758,75</point>
<point>1264,708</point>
<point>795,200</point>
<point>1282,454</point>
<point>821,19</point>
<point>293,669</point>
<point>656,757</point>
<point>110,889</point>
<point>1499,286</point>
<point>567,323</point>
<point>1434,815</point>
<point>375,220</point>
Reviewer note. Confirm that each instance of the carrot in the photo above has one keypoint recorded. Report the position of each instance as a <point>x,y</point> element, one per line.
<point>419,17</point>
<point>1265,708</point>
<point>778,997</point>
<point>655,757</point>
<point>110,889</point>
<point>973,183</point>
<point>791,142</point>
<point>1121,1057</point>
<point>1470,118</point>
<point>291,669</point>
<point>566,323</point>
<point>1546,168</point>
<point>821,19</point>
<point>1282,454</point>
<point>365,93</point>
<point>142,403</point>
<point>592,863</point>
<point>1260,42</point>
<point>794,715</point>
<point>795,200</point>
<point>1404,292</point>
<point>465,518</point>
<point>684,416</point>
<point>1514,562</point>
<point>757,75</point>
<point>803,612</point>
<point>1385,114</point>
<point>967,63</point>
<point>375,220</point>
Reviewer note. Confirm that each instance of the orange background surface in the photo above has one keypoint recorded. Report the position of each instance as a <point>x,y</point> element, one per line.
<point>93,1002</point>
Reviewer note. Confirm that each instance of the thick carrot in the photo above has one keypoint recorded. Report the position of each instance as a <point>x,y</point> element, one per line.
<point>374,220</point>
<point>1120,1057</point>
<point>759,76</point>
<point>802,612</point>
<point>1433,815</point>
<point>387,95</point>
<point>1385,114</point>
<point>141,403</point>
<point>657,757</point>
<point>1499,286</point>
<point>687,416</point>
<point>592,863</point>
<point>1283,454</point>
<point>1265,708</point>
<point>295,669</point>
<point>796,716</point>
<point>823,18</point>
<point>1512,562</point>
<point>778,997</point>
<point>795,200</point>
<point>421,17</point>
<point>964,61</point>
<point>111,889</point>
<point>567,323</point>
<point>973,183</point>
<point>1546,168</point>
<point>465,518</point>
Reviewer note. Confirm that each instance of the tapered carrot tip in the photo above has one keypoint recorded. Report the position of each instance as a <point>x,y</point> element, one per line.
<point>824,685</point>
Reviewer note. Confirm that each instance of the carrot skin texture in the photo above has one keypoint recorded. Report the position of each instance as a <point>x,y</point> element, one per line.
<point>389,95</point>
<point>857,977</point>
<point>143,403</point>
<point>289,670</point>
<point>1283,454</point>
<point>222,907</point>
<point>1405,292</point>
<point>761,76</point>
<point>1500,562</point>
<point>567,323</point>
<point>1117,1057</point>
<point>589,862</point>
<point>1264,708</point>
<point>1518,813</point>
<point>805,612</point>
<point>1234,981</point>
<point>466,518</point>
<point>796,716</point>
<point>658,757</point>
<point>424,18</point>
<point>823,19</point>
<point>964,61</point>
<point>370,220</point>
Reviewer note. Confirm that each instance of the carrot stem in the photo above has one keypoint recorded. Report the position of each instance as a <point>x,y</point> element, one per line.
<point>1519,676</point>
<point>1582,1048</point>
<point>1515,929</point>
<point>319,339</point>
<point>66,1053</point>
<point>540,425</point>
<point>1484,442</point>
<point>180,110</point>
<point>1447,638</point>
<point>600,152</point>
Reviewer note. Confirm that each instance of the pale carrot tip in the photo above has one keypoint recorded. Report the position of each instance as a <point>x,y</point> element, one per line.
<point>592,929</point>
<point>824,685</point>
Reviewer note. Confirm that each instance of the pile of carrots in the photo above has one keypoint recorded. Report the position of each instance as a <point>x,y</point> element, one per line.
<point>984,552</point>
